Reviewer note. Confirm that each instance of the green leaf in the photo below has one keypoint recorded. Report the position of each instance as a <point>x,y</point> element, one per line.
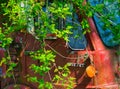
<point>33,79</point>
<point>3,61</point>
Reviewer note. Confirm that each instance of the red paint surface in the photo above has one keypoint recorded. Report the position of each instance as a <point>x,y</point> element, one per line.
<point>102,61</point>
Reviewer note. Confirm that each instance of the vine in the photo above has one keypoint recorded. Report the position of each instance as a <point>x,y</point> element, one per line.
<point>39,18</point>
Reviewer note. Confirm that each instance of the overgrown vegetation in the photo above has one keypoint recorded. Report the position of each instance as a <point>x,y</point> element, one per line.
<point>39,18</point>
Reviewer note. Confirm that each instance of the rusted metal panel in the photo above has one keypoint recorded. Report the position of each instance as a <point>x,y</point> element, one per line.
<point>101,58</point>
